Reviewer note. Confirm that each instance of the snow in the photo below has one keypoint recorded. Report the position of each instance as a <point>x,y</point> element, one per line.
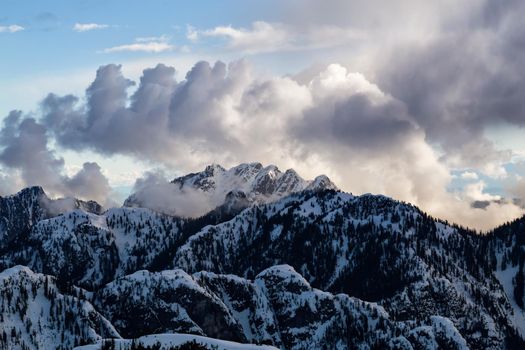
<point>445,231</point>
<point>505,278</point>
<point>170,340</point>
<point>259,184</point>
<point>220,247</point>
<point>30,312</point>
<point>15,270</point>
<point>445,326</point>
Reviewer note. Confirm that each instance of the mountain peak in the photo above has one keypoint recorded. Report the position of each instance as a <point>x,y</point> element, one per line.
<point>212,169</point>
<point>321,182</point>
<point>217,185</point>
<point>34,192</point>
<point>252,179</point>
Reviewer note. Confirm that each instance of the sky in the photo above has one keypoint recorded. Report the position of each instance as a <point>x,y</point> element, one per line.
<point>420,101</point>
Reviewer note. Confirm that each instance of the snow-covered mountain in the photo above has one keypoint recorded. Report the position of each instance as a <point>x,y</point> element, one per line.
<point>251,182</point>
<point>278,260</point>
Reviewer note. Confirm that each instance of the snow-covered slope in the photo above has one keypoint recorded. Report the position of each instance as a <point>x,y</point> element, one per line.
<point>35,314</point>
<point>173,341</point>
<point>279,261</point>
<point>370,247</point>
<point>92,249</point>
<point>279,308</point>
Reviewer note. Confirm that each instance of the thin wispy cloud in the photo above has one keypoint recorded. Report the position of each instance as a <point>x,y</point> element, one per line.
<point>153,44</point>
<point>260,37</point>
<point>161,38</point>
<point>13,28</point>
<point>270,37</point>
<point>85,27</point>
<point>153,47</point>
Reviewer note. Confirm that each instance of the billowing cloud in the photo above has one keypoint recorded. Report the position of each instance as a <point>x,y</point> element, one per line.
<point>154,191</point>
<point>458,68</point>
<point>13,28</point>
<point>85,27</point>
<point>25,151</point>
<point>337,122</point>
<point>89,183</point>
<point>464,80</point>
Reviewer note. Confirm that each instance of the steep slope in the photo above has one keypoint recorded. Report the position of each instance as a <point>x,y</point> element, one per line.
<point>35,314</point>
<point>506,249</point>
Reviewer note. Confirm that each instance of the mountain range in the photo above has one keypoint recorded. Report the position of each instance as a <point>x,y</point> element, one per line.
<point>271,261</point>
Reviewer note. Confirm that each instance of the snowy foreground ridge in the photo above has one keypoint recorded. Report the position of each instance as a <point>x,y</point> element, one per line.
<point>270,261</point>
<point>172,340</point>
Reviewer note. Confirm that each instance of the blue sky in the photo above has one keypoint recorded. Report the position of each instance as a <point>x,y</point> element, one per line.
<point>48,42</point>
<point>441,120</point>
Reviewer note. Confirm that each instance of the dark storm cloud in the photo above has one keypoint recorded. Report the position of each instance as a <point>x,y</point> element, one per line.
<point>105,123</point>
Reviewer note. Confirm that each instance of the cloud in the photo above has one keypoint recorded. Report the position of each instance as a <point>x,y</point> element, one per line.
<point>269,37</point>
<point>89,183</point>
<point>466,78</point>
<point>191,33</point>
<point>24,150</point>
<point>337,122</point>
<point>262,36</point>
<point>85,27</point>
<point>144,44</point>
<point>13,28</point>
<point>469,175</point>
<point>145,39</point>
<point>475,192</point>
<point>154,191</point>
